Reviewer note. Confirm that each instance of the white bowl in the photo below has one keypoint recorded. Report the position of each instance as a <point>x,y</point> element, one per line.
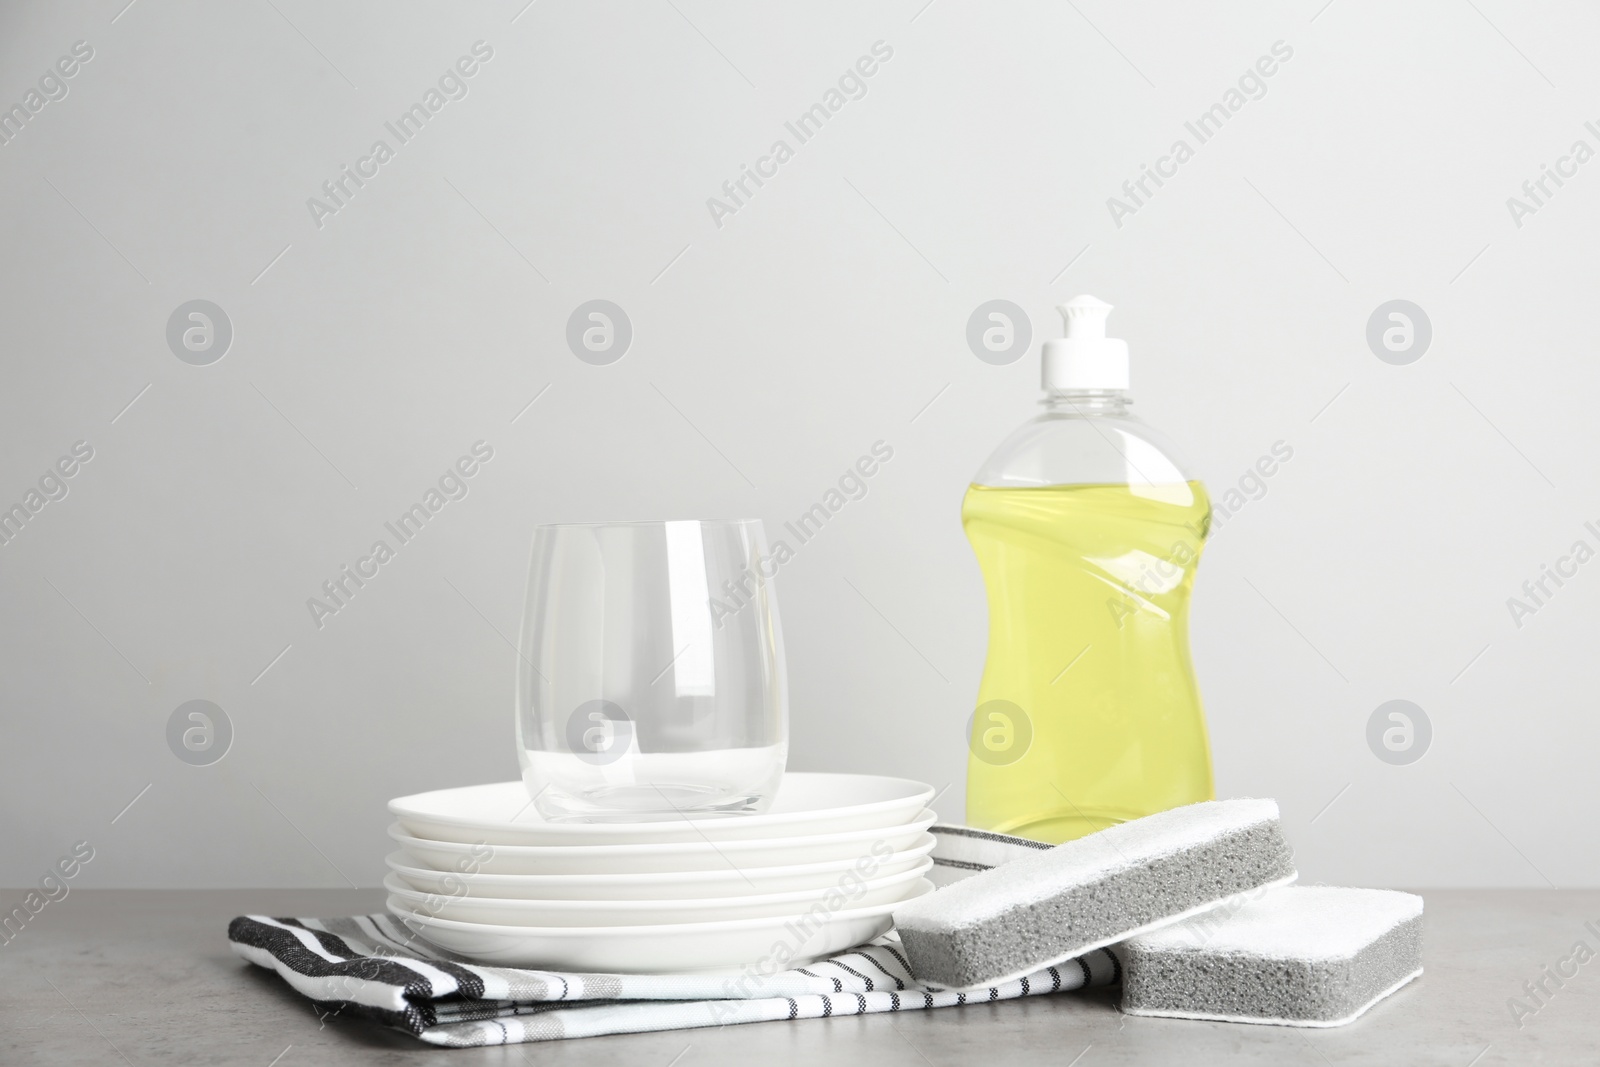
<point>667,857</point>
<point>675,885</point>
<point>856,888</point>
<point>759,946</point>
<point>502,814</point>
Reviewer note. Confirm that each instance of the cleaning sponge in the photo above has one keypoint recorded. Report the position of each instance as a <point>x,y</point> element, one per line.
<point>1297,956</point>
<point>1042,909</point>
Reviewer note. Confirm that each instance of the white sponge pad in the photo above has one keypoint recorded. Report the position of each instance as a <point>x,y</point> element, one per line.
<point>1294,956</point>
<point>1042,909</point>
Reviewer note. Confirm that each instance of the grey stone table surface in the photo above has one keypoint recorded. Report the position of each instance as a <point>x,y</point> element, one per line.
<point>146,977</point>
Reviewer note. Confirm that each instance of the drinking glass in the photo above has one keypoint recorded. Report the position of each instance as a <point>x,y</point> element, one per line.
<point>651,680</point>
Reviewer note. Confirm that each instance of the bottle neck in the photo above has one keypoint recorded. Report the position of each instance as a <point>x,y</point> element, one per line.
<point>1085,402</point>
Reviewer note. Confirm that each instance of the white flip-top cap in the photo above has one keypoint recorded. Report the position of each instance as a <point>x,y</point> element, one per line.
<point>1085,358</point>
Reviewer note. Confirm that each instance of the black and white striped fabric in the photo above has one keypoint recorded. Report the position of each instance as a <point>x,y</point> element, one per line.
<point>962,852</point>
<point>374,967</point>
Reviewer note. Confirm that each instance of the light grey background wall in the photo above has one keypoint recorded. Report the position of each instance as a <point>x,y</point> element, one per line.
<point>768,352</point>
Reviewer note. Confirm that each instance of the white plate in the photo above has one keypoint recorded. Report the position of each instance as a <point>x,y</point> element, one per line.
<point>854,890</point>
<point>676,885</point>
<point>670,857</point>
<point>734,946</point>
<point>501,814</point>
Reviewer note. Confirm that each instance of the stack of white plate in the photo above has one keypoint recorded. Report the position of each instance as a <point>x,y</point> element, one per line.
<point>480,874</point>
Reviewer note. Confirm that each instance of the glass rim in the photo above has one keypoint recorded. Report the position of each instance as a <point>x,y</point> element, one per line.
<point>643,522</point>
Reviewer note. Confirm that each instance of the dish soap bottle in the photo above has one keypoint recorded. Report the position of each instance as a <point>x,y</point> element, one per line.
<point>1088,532</point>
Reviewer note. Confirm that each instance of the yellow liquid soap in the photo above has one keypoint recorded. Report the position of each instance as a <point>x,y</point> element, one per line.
<point>1088,713</point>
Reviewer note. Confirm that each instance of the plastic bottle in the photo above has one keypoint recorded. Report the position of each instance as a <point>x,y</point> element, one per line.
<point>1088,532</point>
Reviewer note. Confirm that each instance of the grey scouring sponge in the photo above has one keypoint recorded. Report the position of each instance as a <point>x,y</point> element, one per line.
<point>1296,956</point>
<point>1039,910</point>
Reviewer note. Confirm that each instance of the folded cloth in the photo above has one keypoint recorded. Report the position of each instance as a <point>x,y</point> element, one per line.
<point>961,852</point>
<point>374,967</point>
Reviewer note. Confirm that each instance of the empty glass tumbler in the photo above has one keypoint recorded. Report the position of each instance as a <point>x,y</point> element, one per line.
<point>650,681</point>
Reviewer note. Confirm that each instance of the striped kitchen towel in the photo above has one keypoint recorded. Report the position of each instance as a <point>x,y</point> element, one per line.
<point>372,966</point>
<point>962,852</point>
